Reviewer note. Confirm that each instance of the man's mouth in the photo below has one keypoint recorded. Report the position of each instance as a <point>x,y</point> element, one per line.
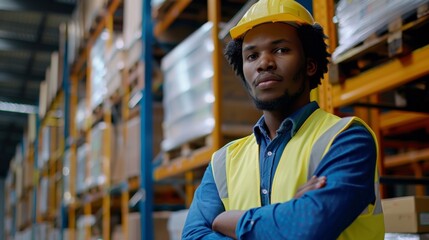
<point>266,80</point>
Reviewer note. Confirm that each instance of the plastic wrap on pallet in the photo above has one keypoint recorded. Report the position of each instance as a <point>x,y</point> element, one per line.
<point>74,37</point>
<point>66,177</point>
<point>406,236</point>
<point>188,94</point>
<point>132,153</point>
<point>81,185</point>
<point>43,195</point>
<point>43,98</point>
<point>44,147</point>
<point>80,115</point>
<point>358,19</point>
<point>132,21</point>
<point>157,3</point>
<point>133,53</point>
<point>114,65</point>
<point>96,176</point>
<point>98,70</point>
<point>53,75</point>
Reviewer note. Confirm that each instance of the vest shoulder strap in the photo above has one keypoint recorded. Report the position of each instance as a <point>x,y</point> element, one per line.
<point>321,144</point>
<point>219,170</point>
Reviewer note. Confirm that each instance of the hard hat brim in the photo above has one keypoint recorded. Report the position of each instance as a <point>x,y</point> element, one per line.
<point>239,30</point>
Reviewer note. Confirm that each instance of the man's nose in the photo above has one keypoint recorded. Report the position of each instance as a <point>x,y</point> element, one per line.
<point>266,62</point>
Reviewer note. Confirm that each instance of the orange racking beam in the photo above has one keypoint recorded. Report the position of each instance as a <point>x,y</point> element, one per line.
<point>214,17</point>
<point>406,158</point>
<point>323,13</point>
<point>394,119</point>
<point>388,76</point>
<point>106,171</point>
<point>171,15</point>
<point>200,158</point>
<point>82,58</point>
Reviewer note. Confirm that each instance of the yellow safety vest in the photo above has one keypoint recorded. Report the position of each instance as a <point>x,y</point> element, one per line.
<point>237,177</point>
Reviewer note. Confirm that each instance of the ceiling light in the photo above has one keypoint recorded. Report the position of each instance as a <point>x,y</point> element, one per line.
<point>18,108</point>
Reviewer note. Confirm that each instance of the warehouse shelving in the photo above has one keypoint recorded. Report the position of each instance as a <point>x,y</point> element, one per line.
<point>105,196</point>
<point>364,91</point>
<point>183,166</point>
<point>190,158</point>
<point>96,198</point>
<point>390,75</point>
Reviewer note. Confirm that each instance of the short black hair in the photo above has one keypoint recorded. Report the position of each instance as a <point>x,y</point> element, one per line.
<point>312,40</point>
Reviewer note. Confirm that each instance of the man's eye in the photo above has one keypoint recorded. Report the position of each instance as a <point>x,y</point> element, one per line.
<point>282,50</point>
<point>251,57</point>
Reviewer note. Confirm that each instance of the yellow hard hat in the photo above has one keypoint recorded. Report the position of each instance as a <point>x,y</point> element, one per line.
<point>265,11</point>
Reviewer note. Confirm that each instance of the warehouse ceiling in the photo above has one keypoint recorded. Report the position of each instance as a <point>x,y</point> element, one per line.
<point>29,33</point>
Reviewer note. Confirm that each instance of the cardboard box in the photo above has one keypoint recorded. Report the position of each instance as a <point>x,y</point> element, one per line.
<point>406,214</point>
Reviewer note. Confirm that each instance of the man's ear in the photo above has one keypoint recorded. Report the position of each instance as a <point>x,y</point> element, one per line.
<point>311,67</point>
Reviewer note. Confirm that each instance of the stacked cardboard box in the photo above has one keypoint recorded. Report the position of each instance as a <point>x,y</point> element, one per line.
<point>408,214</point>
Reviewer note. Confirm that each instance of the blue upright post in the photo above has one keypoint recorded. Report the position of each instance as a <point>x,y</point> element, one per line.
<point>35,166</point>
<point>146,181</point>
<point>66,89</point>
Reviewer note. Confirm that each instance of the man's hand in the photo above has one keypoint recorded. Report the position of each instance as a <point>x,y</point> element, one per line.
<point>312,184</point>
<point>226,222</point>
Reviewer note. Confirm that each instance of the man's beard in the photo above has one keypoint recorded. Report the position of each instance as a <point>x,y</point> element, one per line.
<point>286,99</point>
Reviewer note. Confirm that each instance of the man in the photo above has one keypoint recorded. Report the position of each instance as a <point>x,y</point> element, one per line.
<point>251,189</point>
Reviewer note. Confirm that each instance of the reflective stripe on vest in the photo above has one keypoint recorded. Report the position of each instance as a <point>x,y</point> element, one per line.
<point>219,171</point>
<point>318,151</point>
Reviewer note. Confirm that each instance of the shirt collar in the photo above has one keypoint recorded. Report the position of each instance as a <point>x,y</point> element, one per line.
<point>290,124</point>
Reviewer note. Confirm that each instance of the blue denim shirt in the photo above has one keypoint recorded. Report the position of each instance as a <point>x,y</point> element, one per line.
<point>349,166</point>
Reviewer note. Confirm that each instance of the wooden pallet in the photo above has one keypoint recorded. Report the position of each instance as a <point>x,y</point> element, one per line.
<point>135,75</point>
<point>394,40</point>
<point>187,149</point>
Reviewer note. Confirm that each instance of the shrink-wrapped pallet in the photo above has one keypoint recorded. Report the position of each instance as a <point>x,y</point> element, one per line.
<point>188,93</point>
<point>82,152</point>
<point>115,62</point>
<point>358,19</point>
<point>98,70</point>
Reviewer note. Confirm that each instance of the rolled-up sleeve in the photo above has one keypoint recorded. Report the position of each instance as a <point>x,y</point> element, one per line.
<point>324,213</point>
<point>205,206</point>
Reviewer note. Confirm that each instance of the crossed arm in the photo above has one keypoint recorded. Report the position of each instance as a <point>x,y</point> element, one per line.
<point>349,168</point>
<point>226,222</point>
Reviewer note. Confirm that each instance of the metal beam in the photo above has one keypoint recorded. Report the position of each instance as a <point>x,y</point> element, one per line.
<point>19,45</point>
<point>49,6</point>
<point>15,98</point>
<point>390,75</point>
<point>17,119</point>
<point>14,137</point>
<point>30,63</point>
<point>12,76</point>
<point>7,141</point>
